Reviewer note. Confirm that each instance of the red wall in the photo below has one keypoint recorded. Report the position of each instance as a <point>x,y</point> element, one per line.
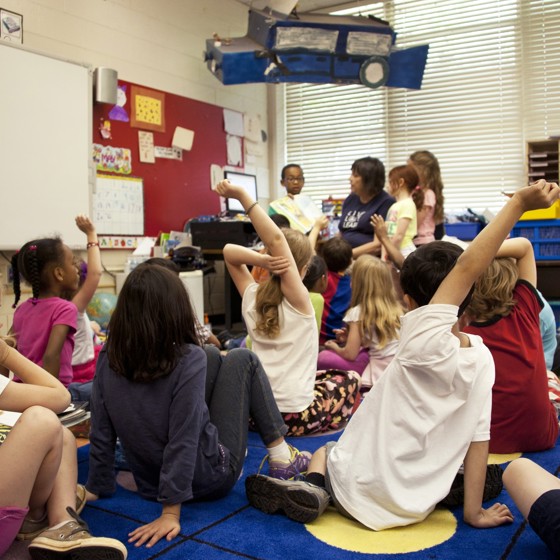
<point>174,191</point>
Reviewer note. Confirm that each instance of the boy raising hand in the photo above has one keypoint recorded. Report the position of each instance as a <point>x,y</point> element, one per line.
<point>430,411</point>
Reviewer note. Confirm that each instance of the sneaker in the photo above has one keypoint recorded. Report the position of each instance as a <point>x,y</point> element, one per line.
<point>73,540</point>
<point>295,467</point>
<point>299,500</point>
<point>31,528</point>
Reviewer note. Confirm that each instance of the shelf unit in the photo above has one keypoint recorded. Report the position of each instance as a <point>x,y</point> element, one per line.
<point>543,160</point>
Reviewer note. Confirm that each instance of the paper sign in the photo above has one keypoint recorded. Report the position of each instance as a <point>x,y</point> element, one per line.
<point>252,127</point>
<point>168,153</point>
<point>233,122</point>
<point>183,138</point>
<point>234,153</point>
<point>146,146</point>
<point>216,175</point>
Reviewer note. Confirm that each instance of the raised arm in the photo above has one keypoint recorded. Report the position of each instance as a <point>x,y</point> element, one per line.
<point>94,268</point>
<point>320,223</point>
<point>521,250</point>
<point>292,286</point>
<point>484,247</point>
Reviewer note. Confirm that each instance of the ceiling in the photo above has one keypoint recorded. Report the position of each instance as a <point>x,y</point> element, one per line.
<point>317,6</point>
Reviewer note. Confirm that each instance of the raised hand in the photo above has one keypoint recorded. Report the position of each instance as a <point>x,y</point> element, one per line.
<point>84,224</point>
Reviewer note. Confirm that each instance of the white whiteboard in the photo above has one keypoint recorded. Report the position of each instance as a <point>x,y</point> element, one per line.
<point>118,205</point>
<point>45,146</point>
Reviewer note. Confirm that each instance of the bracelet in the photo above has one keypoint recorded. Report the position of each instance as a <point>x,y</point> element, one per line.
<point>251,207</point>
<point>92,244</point>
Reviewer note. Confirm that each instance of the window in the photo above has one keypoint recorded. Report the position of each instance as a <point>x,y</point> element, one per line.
<point>492,82</point>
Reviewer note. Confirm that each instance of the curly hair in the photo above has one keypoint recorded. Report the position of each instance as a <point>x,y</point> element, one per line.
<point>32,263</point>
<point>269,293</point>
<point>152,321</point>
<point>374,292</point>
<point>493,291</point>
<point>427,166</point>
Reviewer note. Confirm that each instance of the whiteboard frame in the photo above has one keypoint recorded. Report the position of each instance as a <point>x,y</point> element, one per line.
<point>28,212</point>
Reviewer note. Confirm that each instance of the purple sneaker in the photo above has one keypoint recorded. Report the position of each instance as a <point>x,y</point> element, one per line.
<point>295,467</point>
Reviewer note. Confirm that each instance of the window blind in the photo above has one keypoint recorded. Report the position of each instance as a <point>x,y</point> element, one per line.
<point>491,82</point>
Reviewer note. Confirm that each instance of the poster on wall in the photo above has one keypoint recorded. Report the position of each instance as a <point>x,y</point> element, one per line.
<point>115,160</point>
<point>148,109</point>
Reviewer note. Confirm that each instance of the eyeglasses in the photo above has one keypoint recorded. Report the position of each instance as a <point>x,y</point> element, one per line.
<point>295,179</point>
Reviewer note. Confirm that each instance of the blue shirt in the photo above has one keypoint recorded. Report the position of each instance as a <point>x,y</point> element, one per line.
<point>355,225</point>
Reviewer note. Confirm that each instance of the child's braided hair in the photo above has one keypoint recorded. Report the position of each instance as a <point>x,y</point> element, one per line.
<point>31,261</point>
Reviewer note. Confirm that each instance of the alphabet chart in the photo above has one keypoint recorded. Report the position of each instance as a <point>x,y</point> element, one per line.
<point>118,205</point>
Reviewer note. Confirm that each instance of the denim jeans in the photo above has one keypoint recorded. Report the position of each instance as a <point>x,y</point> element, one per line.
<point>237,388</point>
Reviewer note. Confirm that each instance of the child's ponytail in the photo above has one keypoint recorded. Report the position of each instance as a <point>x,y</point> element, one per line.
<point>16,280</point>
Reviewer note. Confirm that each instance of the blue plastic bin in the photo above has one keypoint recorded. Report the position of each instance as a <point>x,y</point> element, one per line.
<point>544,235</point>
<point>465,231</point>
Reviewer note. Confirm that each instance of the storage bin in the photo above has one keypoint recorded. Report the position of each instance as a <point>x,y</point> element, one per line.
<point>544,235</point>
<point>552,213</point>
<point>465,231</point>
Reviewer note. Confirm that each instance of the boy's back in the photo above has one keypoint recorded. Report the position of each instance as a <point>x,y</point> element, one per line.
<point>337,298</point>
<point>402,449</point>
<point>521,388</point>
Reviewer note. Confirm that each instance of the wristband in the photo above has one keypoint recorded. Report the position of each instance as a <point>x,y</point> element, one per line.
<point>92,244</point>
<point>250,208</point>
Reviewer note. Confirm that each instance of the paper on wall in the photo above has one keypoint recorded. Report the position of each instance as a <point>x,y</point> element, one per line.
<point>252,127</point>
<point>216,175</point>
<point>233,122</point>
<point>234,153</point>
<point>146,146</point>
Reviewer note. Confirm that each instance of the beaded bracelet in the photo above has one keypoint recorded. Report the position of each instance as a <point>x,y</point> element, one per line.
<point>92,244</point>
<point>250,208</point>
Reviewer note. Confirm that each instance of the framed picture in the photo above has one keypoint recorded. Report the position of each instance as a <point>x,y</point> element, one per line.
<point>11,26</point>
<point>147,109</point>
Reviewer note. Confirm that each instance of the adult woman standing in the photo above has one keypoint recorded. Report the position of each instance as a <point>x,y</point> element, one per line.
<point>367,197</point>
<point>430,218</point>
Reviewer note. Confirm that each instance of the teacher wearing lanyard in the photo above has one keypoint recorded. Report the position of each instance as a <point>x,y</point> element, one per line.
<point>366,198</point>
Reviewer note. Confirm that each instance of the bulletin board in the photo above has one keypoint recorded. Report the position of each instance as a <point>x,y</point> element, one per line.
<point>174,190</point>
<point>45,146</point>
<point>118,205</point>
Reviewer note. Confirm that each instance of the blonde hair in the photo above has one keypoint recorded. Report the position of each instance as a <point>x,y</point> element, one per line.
<point>493,291</point>
<point>269,293</point>
<point>374,292</point>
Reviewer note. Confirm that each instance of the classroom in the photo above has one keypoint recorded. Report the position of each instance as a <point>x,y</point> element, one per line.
<point>488,108</point>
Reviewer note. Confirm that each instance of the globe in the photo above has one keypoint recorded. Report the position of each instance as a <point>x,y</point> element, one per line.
<point>101,307</point>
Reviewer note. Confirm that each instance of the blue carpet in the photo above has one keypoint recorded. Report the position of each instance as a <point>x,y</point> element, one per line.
<point>230,528</point>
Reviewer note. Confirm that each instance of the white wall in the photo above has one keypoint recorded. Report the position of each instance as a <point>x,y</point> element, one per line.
<point>155,43</point>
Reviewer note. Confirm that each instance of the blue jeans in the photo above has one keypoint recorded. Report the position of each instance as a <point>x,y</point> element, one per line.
<point>237,388</point>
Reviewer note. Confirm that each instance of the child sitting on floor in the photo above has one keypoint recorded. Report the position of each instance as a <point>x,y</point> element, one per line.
<point>430,411</point>
<point>38,491</point>
<point>504,312</point>
<point>181,412</point>
<point>281,321</point>
<point>373,321</point>
<point>337,253</point>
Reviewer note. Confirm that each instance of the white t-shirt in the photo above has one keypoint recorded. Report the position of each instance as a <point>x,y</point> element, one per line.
<point>403,447</point>
<point>289,360</point>
<point>379,358</point>
<point>83,341</point>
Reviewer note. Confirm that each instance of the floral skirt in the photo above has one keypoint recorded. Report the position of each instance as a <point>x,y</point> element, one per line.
<point>337,395</point>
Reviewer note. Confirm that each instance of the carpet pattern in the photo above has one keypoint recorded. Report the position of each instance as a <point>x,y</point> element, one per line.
<point>231,529</point>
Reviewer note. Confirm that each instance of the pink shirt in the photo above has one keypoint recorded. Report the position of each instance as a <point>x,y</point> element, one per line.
<point>427,226</point>
<point>33,322</point>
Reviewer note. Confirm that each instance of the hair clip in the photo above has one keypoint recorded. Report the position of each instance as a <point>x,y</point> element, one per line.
<point>32,247</point>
